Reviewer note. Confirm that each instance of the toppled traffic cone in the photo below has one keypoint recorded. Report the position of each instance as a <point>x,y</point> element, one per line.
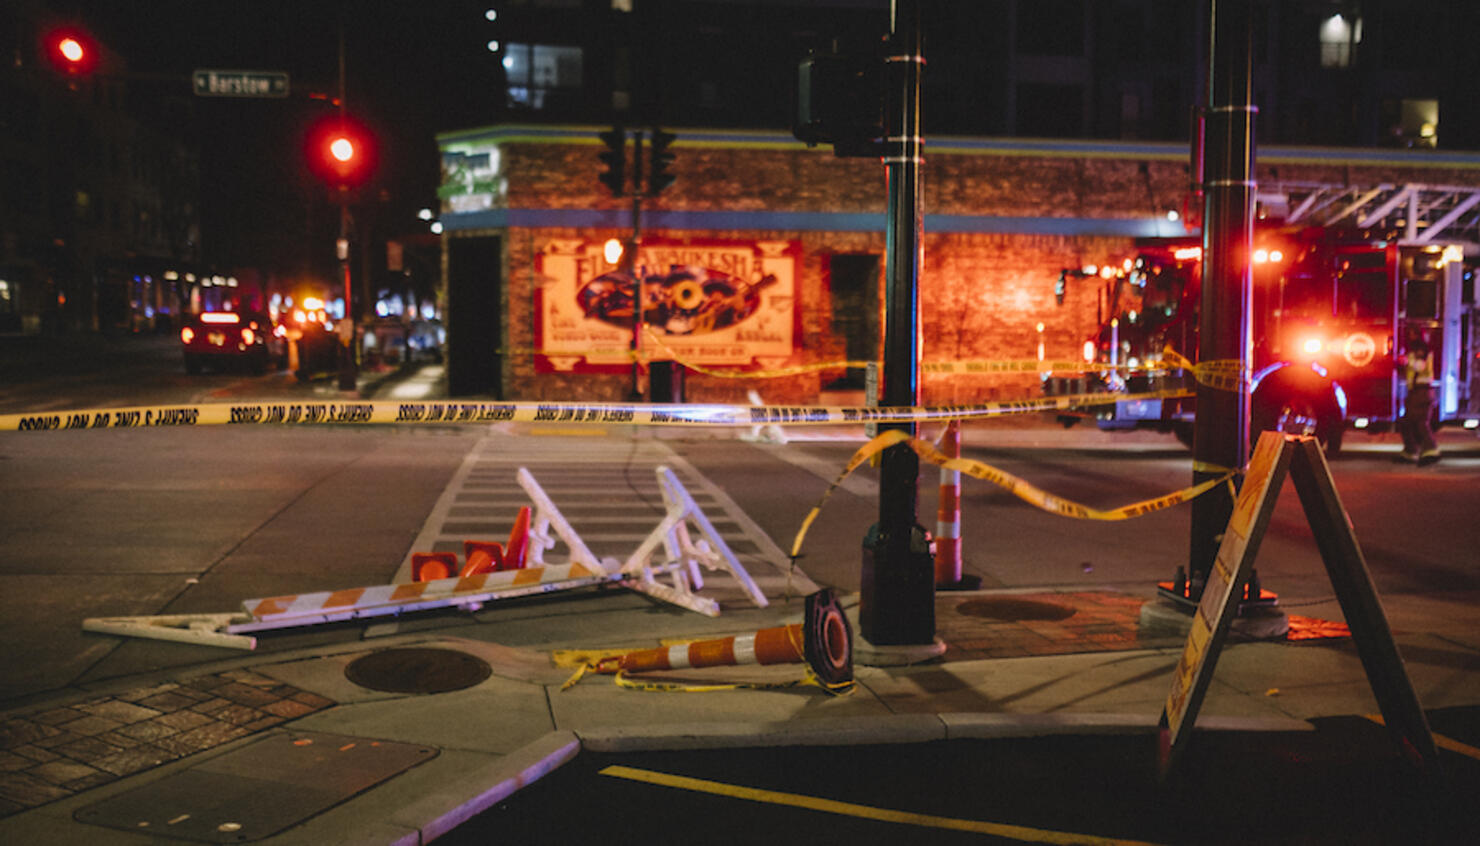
<point>823,641</point>
<point>479,556</point>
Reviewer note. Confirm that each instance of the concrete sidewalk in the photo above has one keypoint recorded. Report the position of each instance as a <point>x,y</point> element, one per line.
<point>69,775</point>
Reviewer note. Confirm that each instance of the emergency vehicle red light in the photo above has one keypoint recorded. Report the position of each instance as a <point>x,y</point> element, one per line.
<point>71,50</point>
<point>220,317</point>
<point>1312,345</point>
<point>1187,253</point>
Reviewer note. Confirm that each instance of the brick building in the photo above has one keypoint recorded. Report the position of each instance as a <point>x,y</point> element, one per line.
<point>531,315</point>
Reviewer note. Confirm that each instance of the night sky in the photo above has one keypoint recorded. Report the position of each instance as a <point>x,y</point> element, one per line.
<point>413,68</point>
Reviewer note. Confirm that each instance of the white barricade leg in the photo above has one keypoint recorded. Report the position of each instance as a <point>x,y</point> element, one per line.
<point>673,533</point>
<point>768,433</point>
<point>547,516</point>
<point>203,629</point>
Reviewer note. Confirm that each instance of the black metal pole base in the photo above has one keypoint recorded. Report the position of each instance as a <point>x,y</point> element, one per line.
<point>1185,595</point>
<point>897,594</point>
<point>968,582</point>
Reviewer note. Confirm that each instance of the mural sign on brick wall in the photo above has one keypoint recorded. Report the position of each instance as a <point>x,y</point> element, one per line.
<point>710,302</point>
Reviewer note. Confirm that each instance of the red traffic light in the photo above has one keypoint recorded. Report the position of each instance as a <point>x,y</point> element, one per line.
<point>72,51</point>
<point>341,152</point>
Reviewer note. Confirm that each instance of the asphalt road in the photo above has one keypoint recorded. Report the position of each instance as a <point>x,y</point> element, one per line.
<point>1342,783</point>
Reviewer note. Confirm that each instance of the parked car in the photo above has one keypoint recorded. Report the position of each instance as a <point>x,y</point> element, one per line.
<point>224,339</point>
<point>425,340</point>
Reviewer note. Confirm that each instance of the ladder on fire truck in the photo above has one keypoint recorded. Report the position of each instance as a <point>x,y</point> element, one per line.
<point>1424,214</point>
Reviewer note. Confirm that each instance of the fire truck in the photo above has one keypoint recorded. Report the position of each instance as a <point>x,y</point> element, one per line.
<point>1333,312</point>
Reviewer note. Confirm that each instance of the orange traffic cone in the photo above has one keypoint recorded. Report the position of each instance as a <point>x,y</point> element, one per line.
<point>479,556</point>
<point>430,566</point>
<point>823,641</point>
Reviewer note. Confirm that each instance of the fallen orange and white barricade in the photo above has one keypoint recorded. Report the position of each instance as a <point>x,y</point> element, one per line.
<point>490,572</point>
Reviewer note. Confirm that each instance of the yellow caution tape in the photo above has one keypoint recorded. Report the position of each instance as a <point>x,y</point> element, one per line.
<point>585,660</point>
<point>935,367</point>
<point>1018,487</point>
<point>622,680</point>
<point>669,352</point>
<point>1225,374</point>
<point>371,412</point>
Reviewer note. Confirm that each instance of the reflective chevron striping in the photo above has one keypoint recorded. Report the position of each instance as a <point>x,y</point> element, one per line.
<point>275,611</point>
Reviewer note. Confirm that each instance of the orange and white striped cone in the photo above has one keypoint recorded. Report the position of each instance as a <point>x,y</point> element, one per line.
<point>823,641</point>
<point>948,575</point>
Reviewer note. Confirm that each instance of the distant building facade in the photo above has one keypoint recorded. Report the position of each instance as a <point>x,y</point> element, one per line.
<point>765,255</point>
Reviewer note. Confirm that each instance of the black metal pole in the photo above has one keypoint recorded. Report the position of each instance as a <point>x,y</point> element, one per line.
<point>634,272</point>
<point>1221,427</point>
<point>897,596</point>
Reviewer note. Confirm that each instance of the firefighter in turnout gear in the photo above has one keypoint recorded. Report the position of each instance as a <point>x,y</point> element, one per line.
<point>1418,372</point>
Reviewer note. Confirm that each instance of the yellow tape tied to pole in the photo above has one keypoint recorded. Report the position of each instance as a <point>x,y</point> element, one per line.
<point>1018,487</point>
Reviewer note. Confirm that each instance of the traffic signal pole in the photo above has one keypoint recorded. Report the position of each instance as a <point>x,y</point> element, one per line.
<point>1221,425</point>
<point>629,266</point>
<point>348,366</point>
<point>897,596</point>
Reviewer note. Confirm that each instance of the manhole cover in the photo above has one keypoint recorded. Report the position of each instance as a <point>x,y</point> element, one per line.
<point>1013,609</point>
<point>417,670</point>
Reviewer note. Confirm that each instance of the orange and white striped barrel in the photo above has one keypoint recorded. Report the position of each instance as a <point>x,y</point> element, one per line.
<point>823,640</point>
<point>948,514</point>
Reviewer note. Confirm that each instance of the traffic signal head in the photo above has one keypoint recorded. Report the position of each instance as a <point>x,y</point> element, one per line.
<point>615,159</point>
<point>659,161</point>
<point>72,51</point>
<point>341,152</point>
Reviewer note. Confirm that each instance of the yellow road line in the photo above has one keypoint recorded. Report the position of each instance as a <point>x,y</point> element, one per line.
<point>830,806</point>
<point>1439,740</point>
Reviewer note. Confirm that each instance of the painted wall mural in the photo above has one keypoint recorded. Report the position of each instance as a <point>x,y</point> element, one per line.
<point>705,302</point>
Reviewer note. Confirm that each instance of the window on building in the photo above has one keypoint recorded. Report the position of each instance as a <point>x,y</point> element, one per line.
<point>1050,111</point>
<point>1340,36</point>
<point>539,75</point>
<point>1051,27</point>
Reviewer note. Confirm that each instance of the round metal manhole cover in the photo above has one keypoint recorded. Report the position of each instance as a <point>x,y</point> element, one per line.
<point>1012,609</point>
<point>417,670</point>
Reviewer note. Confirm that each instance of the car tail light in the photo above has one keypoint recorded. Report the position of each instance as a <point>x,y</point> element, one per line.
<point>187,334</point>
<point>1312,346</point>
<point>248,336</point>
<point>220,317</point>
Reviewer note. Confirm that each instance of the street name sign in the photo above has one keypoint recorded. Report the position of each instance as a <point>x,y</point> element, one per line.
<point>240,83</point>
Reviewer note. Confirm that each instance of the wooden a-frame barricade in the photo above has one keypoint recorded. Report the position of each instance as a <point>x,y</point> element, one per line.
<point>1302,459</point>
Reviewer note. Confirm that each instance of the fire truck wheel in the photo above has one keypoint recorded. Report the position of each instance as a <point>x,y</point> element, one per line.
<point>1295,414</point>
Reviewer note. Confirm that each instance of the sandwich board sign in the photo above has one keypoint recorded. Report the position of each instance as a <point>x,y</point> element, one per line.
<point>1301,458</point>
